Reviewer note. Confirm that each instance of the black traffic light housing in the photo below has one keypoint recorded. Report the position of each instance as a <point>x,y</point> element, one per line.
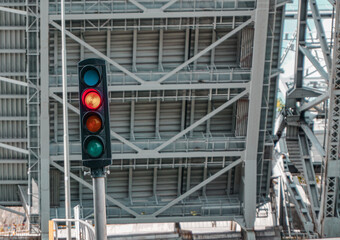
<point>94,114</point>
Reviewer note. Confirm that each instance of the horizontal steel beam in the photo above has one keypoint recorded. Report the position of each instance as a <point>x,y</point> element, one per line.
<point>13,140</point>
<point>119,165</point>
<point>13,161</point>
<point>13,118</point>
<point>150,154</point>
<point>156,86</point>
<point>152,14</point>
<point>7,50</point>
<point>323,15</point>
<point>13,182</point>
<point>203,75</point>
<point>153,154</point>
<point>21,3</point>
<point>13,96</point>
<point>10,203</point>
<point>13,28</point>
<point>13,74</point>
<point>168,219</point>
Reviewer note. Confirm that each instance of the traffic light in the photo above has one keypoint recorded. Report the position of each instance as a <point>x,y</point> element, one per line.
<point>94,114</point>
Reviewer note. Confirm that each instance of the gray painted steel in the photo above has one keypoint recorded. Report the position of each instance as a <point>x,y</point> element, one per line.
<point>13,110</point>
<point>99,207</point>
<point>180,75</point>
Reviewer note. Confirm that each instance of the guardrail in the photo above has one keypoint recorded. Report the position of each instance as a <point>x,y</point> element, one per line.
<point>83,230</point>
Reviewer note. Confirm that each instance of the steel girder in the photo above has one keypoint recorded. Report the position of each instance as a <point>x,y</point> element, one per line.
<point>254,115</point>
<point>45,93</point>
<point>331,198</point>
<point>329,206</point>
<point>153,14</point>
<point>153,217</point>
<point>44,192</point>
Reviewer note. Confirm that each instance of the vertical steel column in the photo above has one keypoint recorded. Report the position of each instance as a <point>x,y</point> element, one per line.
<point>44,122</point>
<point>330,197</point>
<point>197,33</point>
<point>154,184</point>
<point>254,114</point>
<point>108,46</point>
<point>207,126</point>
<point>55,53</point>
<point>192,111</point>
<point>158,113</point>
<point>132,118</point>
<point>179,178</point>
<point>212,54</point>
<point>300,41</point>
<point>134,51</point>
<point>188,185</point>
<point>82,48</point>
<point>187,44</point>
<point>130,181</point>
<point>33,111</point>
<point>160,50</point>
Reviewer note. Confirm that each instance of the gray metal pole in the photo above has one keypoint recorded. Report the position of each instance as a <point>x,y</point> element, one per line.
<point>65,120</point>
<point>99,207</point>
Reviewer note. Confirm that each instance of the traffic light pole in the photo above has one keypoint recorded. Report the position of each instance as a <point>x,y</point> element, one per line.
<point>68,214</point>
<point>98,179</point>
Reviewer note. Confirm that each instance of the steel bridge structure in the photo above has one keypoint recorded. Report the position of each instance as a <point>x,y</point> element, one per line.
<point>196,132</point>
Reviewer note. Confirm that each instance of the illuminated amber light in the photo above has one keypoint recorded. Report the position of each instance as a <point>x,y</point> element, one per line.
<point>92,99</point>
<point>94,123</point>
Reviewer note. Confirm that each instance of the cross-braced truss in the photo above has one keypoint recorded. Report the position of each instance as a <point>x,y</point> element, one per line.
<point>192,88</point>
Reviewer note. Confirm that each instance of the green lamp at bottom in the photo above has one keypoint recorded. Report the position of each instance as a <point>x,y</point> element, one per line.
<point>94,148</point>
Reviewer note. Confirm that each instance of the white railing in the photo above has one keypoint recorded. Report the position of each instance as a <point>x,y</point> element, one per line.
<point>83,230</point>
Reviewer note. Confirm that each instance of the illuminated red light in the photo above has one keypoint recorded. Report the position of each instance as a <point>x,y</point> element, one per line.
<point>91,98</point>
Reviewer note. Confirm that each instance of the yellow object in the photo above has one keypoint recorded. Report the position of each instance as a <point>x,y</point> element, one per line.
<point>50,230</point>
